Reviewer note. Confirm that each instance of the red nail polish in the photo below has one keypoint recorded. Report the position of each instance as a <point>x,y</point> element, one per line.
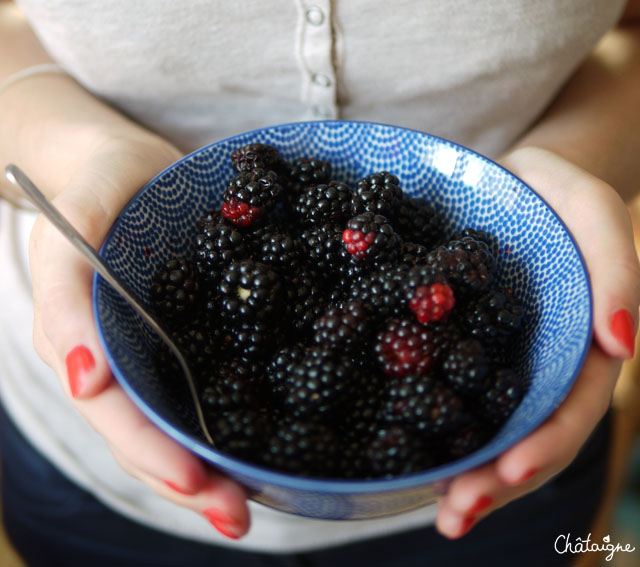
<point>527,475</point>
<point>466,525</point>
<point>482,503</point>
<point>176,488</point>
<point>79,363</point>
<point>222,522</point>
<point>623,329</point>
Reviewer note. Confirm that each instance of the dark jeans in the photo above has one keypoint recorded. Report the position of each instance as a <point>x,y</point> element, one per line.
<point>52,522</point>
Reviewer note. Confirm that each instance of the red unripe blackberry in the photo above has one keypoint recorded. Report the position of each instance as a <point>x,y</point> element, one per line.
<point>249,196</point>
<point>432,302</point>
<point>371,237</point>
<point>405,347</point>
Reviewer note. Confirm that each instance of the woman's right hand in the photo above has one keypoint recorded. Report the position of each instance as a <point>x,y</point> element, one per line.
<point>115,166</point>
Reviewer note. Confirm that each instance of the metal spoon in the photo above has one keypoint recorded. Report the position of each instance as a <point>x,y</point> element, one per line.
<point>16,176</point>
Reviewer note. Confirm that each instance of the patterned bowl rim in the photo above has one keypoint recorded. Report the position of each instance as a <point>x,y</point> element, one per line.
<point>234,466</point>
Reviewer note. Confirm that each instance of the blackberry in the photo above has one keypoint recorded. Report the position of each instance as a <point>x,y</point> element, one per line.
<point>412,254</point>
<point>378,193</point>
<point>424,403</point>
<point>318,384</point>
<point>250,291</point>
<point>253,340</point>
<point>369,236</point>
<point>301,447</point>
<point>495,318</point>
<point>429,295</point>
<point>274,245</point>
<point>175,289</point>
<point>395,451</point>
<point>305,298</point>
<point>466,366</point>
<point>415,220</point>
<point>279,368</point>
<point>242,433</point>
<point>478,235</point>
<point>233,384</point>
<point>501,396</point>
<point>256,155</point>
<point>217,244</point>
<point>464,441</point>
<point>405,347</point>
<point>305,172</point>
<point>362,411</point>
<point>343,328</point>
<point>249,196</point>
<point>381,292</point>
<point>323,246</point>
<point>467,263</point>
<point>352,461</point>
<point>326,202</point>
<point>201,341</point>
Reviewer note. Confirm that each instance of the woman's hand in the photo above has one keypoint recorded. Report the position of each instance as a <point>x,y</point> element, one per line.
<point>65,335</point>
<point>599,221</point>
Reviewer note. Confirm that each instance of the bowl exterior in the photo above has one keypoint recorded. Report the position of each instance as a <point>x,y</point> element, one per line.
<point>538,260</point>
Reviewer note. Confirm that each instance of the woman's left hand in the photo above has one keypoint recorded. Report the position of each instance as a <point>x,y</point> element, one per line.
<point>598,220</point>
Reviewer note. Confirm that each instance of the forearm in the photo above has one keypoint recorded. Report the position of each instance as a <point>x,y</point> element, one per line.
<point>49,124</point>
<point>595,121</point>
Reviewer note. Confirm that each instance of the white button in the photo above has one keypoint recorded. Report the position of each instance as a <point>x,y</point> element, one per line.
<point>321,111</point>
<point>315,16</point>
<point>321,80</point>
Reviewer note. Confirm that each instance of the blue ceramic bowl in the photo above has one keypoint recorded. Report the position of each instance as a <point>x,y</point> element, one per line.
<point>538,259</point>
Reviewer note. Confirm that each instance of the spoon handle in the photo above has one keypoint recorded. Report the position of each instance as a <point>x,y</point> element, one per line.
<point>16,176</point>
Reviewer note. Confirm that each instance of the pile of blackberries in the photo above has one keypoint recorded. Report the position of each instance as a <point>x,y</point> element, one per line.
<point>339,331</point>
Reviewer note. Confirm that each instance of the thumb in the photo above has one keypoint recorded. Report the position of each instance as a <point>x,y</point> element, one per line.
<point>65,334</point>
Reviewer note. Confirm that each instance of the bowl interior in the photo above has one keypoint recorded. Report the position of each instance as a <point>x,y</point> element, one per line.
<point>538,260</point>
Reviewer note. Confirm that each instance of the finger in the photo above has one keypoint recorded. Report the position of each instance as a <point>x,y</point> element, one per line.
<point>123,426</point>
<point>600,223</point>
<point>536,459</point>
<point>211,500</point>
<point>558,440</point>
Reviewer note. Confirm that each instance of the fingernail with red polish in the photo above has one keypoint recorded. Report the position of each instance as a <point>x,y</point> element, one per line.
<point>482,503</point>
<point>467,524</point>
<point>224,523</point>
<point>79,363</point>
<point>623,329</point>
<point>527,475</point>
<point>176,488</point>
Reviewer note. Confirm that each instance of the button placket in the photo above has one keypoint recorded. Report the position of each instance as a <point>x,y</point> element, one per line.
<point>316,56</point>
